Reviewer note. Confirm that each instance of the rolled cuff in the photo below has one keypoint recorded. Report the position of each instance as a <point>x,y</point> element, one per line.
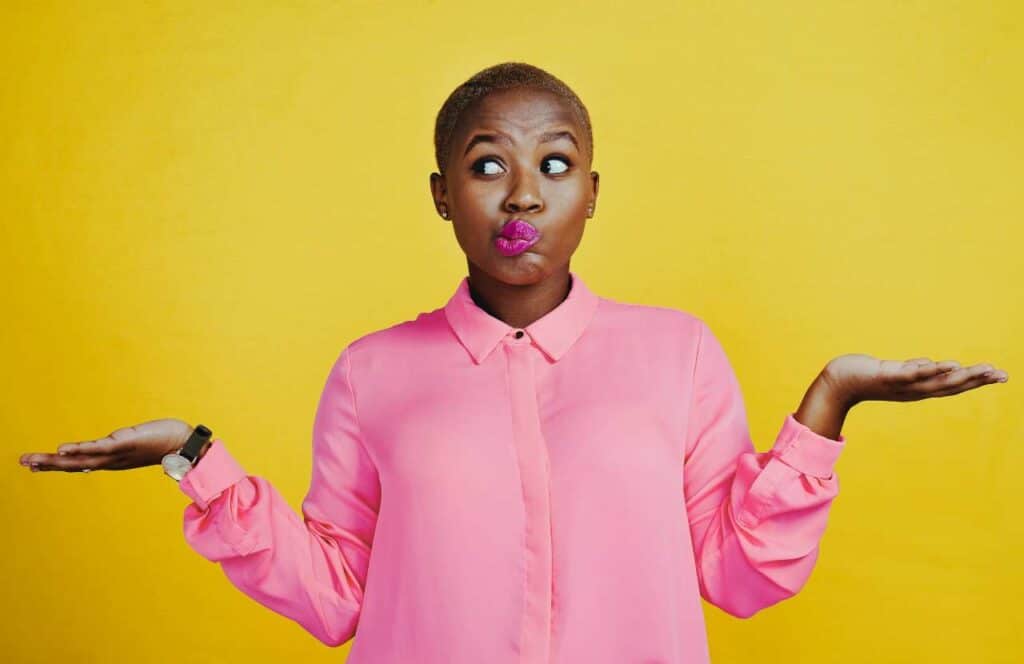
<point>801,448</point>
<point>215,472</point>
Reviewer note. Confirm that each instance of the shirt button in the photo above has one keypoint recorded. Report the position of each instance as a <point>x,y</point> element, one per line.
<point>519,334</point>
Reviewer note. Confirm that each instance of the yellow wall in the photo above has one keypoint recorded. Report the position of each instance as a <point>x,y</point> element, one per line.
<point>202,203</point>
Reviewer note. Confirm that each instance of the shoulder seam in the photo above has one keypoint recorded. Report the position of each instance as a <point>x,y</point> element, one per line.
<point>693,384</point>
<point>355,405</point>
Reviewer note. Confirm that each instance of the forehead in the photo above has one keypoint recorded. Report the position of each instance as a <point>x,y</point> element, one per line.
<point>523,109</point>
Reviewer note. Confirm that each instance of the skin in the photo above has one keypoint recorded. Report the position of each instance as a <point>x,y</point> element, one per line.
<point>525,180</point>
<point>549,184</point>
<point>128,447</point>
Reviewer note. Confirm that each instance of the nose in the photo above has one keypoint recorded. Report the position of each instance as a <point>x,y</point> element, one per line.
<point>524,196</point>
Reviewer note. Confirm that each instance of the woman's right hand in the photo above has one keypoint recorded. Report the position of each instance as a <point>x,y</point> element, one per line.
<point>129,447</point>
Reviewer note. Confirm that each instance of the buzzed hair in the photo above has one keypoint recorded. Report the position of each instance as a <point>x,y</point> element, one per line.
<point>501,76</point>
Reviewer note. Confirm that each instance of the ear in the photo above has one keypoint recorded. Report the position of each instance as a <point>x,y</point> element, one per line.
<point>439,192</point>
<point>594,181</point>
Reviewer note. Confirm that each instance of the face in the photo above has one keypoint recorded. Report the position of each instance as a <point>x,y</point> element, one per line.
<point>513,156</point>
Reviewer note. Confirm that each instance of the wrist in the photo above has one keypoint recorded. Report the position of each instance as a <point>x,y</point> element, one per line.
<point>179,461</point>
<point>831,389</point>
<point>823,409</point>
<point>184,430</point>
<point>184,435</point>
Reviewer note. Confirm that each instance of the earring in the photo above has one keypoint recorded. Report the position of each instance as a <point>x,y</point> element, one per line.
<point>444,211</point>
<point>590,210</point>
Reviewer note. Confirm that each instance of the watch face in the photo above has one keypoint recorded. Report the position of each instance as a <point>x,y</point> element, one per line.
<point>175,465</point>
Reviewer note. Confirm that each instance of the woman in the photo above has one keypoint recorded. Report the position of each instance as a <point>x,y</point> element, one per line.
<point>532,472</point>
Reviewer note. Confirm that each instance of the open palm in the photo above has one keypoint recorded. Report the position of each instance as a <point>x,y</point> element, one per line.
<point>128,447</point>
<point>860,377</point>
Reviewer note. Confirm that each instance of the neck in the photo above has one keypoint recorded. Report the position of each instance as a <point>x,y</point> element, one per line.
<point>518,305</point>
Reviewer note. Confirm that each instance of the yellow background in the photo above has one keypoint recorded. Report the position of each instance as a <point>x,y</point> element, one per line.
<point>202,203</point>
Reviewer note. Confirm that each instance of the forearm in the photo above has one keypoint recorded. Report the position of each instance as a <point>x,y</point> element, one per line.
<point>822,410</point>
<point>308,569</point>
<point>760,545</point>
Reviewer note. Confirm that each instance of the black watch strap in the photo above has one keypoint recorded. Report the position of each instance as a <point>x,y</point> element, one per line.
<point>199,437</point>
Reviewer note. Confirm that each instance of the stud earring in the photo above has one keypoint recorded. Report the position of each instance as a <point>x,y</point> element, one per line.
<point>590,210</point>
<point>444,211</point>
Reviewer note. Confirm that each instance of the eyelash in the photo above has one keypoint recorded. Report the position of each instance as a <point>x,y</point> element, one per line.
<point>476,167</point>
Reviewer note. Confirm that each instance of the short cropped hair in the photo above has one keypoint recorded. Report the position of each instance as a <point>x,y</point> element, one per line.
<point>501,77</point>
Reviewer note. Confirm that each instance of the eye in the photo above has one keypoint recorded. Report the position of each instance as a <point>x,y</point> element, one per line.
<point>556,159</point>
<point>479,166</point>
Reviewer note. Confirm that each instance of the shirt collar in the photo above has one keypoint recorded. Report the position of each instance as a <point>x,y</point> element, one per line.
<point>554,332</point>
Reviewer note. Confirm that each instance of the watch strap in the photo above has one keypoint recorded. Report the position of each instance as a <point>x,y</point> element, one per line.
<point>199,437</point>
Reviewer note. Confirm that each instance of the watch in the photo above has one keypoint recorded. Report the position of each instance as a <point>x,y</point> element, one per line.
<point>176,464</point>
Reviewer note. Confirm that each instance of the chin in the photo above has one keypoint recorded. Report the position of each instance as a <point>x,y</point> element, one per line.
<point>525,272</point>
<point>525,269</point>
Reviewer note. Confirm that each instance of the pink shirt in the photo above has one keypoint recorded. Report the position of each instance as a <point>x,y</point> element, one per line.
<point>557,494</point>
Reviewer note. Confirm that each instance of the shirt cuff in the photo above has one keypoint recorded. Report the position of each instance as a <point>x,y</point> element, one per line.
<point>800,447</point>
<point>216,471</point>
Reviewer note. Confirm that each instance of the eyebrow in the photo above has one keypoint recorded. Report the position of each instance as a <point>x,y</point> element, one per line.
<point>499,137</point>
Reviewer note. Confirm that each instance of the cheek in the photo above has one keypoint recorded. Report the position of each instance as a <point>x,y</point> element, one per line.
<point>463,234</point>
<point>573,235</point>
<point>570,197</point>
<point>561,240</point>
<point>473,196</point>
<point>473,238</point>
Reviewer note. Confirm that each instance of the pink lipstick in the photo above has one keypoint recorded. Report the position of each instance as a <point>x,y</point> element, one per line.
<point>516,237</point>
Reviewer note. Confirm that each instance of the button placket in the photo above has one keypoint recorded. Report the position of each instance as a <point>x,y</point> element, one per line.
<point>531,452</point>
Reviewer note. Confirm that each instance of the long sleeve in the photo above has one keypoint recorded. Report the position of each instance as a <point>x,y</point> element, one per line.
<point>310,569</point>
<point>756,519</point>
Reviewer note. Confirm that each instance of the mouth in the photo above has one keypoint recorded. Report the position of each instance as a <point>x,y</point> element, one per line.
<point>519,229</point>
<point>517,235</point>
<point>507,247</point>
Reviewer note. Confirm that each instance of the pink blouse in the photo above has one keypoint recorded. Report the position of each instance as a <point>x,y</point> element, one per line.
<point>556,494</point>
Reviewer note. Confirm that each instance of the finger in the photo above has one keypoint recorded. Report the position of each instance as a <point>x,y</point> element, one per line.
<point>25,459</point>
<point>68,448</point>
<point>38,460</point>
<point>952,380</point>
<point>120,440</point>
<point>922,371</point>
<point>924,360</point>
<point>970,384</point>
<point>69,463</point>
<point>98,446</point>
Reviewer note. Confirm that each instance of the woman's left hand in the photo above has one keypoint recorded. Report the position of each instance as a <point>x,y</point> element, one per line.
<point>857,377</point>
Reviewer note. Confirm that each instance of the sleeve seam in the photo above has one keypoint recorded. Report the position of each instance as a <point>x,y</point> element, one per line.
<point>355,406</point>
<point>693,390</point>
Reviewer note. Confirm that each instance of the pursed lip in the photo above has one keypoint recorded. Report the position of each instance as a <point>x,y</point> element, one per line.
<point>518,228</point>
